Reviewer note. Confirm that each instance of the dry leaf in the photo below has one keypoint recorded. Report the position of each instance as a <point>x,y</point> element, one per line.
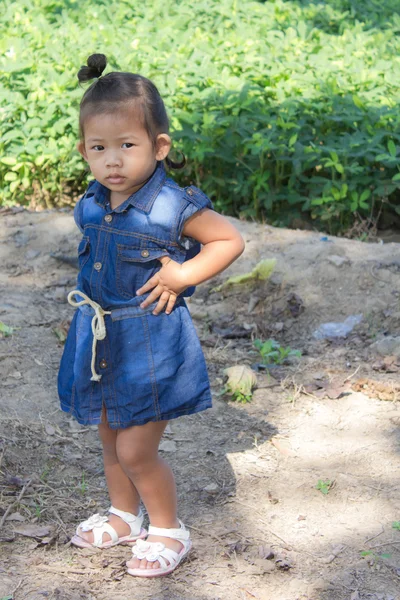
<point>34,531</point>
<point>241,379</point>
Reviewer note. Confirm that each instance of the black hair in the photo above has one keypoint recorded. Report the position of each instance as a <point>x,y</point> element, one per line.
<point>108,93</point>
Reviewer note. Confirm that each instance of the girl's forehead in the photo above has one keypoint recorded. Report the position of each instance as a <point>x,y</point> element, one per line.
<point>113,124</point>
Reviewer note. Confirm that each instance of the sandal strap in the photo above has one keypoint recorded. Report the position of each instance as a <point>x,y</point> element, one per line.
<point>175,534</point>
<point>134,521</point>
<point>99,531</point>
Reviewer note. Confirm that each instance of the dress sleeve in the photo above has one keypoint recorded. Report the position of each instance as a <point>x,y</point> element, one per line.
<point>194,200</point>
<point>78,214</point>
<point>78,207</point>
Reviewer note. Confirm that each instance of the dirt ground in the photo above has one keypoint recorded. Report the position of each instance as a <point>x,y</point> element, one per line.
<point>247,474</point>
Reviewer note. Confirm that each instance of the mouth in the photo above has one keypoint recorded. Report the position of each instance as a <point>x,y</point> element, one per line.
<point>114,178</point>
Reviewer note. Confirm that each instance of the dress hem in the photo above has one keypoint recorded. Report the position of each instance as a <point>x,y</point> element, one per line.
<point>163,417</point>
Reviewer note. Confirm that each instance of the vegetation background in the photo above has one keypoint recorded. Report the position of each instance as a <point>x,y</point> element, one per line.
<point>284,109</point>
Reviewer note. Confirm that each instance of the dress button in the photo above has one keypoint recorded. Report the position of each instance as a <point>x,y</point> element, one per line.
<point>108,218</point>
<point>145,253</point>
<point>97,266</point>
<point>103,364</point>
<point>190,192</point>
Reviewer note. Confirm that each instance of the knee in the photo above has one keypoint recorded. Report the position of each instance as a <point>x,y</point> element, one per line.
<point>134,461</point>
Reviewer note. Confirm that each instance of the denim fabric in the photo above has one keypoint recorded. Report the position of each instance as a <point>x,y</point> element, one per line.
<point>152,367</point>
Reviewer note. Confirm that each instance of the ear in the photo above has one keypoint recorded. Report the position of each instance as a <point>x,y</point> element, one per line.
<point>81,149</point>
<point>163,146</point>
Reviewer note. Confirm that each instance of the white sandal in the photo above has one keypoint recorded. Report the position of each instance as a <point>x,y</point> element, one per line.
<point>153,551</point>
<point>99,526</point>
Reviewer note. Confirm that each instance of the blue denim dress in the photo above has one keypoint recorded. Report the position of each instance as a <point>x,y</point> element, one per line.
<point>150,368</point>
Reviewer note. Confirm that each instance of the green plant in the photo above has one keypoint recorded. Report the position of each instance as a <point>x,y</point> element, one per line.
<point>324,486</point>
<point>38,511</point>
<point>272,352</point>
<point>5,330</point>
<point>238,396</point>
<point>308,130</point>
<point>396,525</point>
<point>375,557</point>
<point>45,473</point>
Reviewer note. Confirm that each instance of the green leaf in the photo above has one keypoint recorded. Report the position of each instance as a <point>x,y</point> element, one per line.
<point>14,185</point>
<point>392,148</point>
<point>339,168</point>
<point>365,195</point>
<point>8,160</point>
<point>396,177</point>
<point>10,176</point>
<point>5,330</point>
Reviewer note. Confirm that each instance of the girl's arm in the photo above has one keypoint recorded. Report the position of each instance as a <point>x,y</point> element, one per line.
<point>222,244</point>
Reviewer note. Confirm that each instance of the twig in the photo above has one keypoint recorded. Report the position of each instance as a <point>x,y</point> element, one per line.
<point>74,570</point>
<point>352,375</point>
<point>14,503</point>
<point>386,544</point>
<point>16,588</point>
<point>374,536</point>
<point>1,456</point>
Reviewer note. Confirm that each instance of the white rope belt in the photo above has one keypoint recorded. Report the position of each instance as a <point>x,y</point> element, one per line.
<point>98,325</point>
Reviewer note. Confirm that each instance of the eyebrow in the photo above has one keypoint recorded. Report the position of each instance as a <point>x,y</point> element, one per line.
<point>121,137</point>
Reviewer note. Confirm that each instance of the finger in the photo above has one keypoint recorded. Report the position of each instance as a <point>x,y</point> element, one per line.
<point>171,304</point>
<point>149,285</point>
<point>161,303</point>
<point>164,260</point>
<point>156,293</point>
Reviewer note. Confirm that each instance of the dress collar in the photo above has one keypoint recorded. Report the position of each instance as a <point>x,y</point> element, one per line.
<point>143,199</point>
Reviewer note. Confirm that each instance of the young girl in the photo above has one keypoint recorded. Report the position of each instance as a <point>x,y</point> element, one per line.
<point>132,359</point>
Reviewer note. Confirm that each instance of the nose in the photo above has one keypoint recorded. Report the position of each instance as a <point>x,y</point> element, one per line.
<point>113,159</point>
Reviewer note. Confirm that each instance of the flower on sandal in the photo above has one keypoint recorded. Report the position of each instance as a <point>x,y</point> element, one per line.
<point>149,550</point>
<point>94,521</point>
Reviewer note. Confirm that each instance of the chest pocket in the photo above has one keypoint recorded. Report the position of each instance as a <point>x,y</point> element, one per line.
<point>135,266</point>
<point>83,251</point>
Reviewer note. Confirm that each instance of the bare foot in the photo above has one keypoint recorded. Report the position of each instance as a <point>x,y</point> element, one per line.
<point>135,563</point>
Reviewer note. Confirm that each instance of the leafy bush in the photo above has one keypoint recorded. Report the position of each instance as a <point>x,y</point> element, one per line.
<point>283,109</point>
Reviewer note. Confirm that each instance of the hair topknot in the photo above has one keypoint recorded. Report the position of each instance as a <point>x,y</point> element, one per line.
<point>96,63</point>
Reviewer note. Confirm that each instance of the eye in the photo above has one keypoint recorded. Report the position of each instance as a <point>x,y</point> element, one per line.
<point>98,148</point>
<point>127,145</point>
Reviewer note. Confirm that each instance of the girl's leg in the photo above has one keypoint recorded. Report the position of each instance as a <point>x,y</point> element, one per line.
<point>123,494</point>
<point>137,451</point>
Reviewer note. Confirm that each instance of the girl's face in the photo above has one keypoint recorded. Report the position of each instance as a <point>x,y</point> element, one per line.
<point>120,153</point>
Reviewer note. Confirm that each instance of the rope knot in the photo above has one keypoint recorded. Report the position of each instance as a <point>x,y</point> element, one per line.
<point>98,325</point>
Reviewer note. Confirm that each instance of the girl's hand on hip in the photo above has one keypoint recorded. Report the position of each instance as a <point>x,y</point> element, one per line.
<point>166,284</point>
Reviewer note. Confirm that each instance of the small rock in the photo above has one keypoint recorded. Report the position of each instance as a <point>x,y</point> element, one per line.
<point>355,596</point>
<point>387,346</point>
<point>15,375</point>
<point>198,313</point>
<point>266,553</point>
<point>338,261</point>
<point>60,295</point>
<point>168,446</point>
<point>212,488</point>
<point>31,254</point>
<point>49,429</point>
<point>253,301</point>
